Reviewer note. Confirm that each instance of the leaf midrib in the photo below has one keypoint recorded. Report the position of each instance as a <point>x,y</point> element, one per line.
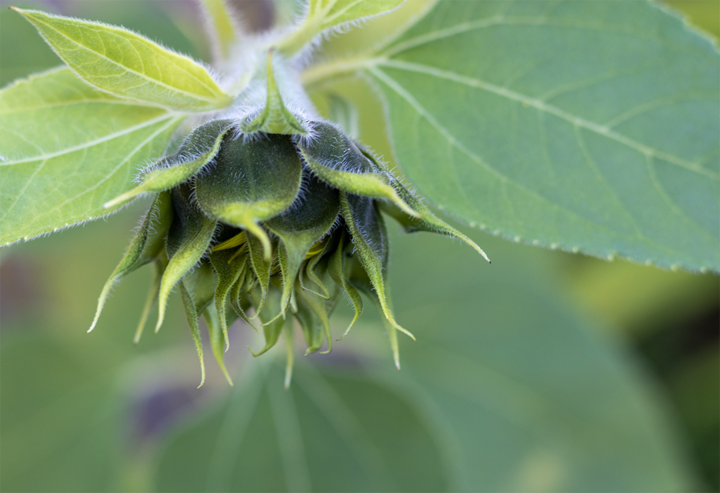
<point>91,143</point>
<point>546,108</point>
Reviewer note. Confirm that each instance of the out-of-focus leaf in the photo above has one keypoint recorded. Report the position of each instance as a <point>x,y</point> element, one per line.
<point>519,394</point>
<point>56,418</point>
<point>331,431</point>
<point>128,65</point>
<point>66,149</point>
<point>222,29</point>
<point>585,126</point>
<point>695,389</point>
<point>323,15</point>
<point>531,397</point>
<point>704,14</point>
<point>636,299</point>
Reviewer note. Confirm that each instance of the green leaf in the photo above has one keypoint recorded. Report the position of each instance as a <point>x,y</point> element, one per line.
<point>344,113</point>
<point>301,227</point>
<point>323,15</point>
<point>337,160</point>
<point>188,238</point>
<point>369,237</point>
<point>330,431</point>
<point>275,118</point>
<point>509,365</point>
<point>583,126</point>
<point>60,409</point>
<point>221,28</point>
<point>252,181</point>
<point>128,65</point>
<point>154,227</point>
<point>66,149</point>
<point>197,150</point>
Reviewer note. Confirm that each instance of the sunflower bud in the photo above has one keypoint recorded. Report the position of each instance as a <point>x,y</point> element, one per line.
<point>270,227</point>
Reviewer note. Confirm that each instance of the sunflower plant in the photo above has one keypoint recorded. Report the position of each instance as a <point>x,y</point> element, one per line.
<point>269,190</point>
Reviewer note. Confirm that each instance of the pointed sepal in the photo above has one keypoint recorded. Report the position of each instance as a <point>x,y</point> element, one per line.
<point>337,160</point>
<point>218,339</point>
<point>145,247</point>
<point>229,265</point>
<point>336,269</point>
<point>197,150</point>
<point>261,266</point>
<point>371,244</point>
<point>427,220</point>
<point>272,321</point>
<point>301,227</point>
<point>189,237</point>
<point>275,118</point>
<point>159,268</point>
<point>192,317</point>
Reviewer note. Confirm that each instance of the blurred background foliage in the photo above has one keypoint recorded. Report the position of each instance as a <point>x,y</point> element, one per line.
<point>543,372</point>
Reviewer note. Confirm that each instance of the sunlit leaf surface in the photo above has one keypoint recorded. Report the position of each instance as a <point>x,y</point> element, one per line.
<point>67,149</point>
<point>587,126</point>
<point>126,64</point>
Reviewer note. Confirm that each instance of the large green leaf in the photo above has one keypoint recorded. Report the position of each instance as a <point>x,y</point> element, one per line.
<point>67,149</point>
<point>331,431</point>
<point>587,126</point>
<point>529,396</point>
<point>128,65</point>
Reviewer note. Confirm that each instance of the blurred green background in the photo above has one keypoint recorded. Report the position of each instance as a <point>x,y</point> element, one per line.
<point>543,372</point>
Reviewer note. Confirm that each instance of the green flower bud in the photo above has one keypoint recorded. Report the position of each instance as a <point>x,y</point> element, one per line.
<point>271,227</point>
